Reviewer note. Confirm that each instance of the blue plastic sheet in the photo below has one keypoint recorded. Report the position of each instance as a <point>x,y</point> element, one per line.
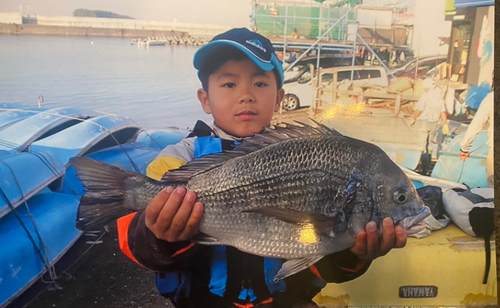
<point>476,94</point>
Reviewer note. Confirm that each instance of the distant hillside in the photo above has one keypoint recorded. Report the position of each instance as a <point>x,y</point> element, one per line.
<point>99,14</point>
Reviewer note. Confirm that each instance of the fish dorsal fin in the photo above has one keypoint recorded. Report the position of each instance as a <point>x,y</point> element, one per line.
<point>269,136</point>
<point>282,132</point>
<point>197,166</point>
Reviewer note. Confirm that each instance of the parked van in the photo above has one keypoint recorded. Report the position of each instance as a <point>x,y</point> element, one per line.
<point>409,67</point>
<point>326,60</point>
<point>302,67</point>
<point>299,93</point>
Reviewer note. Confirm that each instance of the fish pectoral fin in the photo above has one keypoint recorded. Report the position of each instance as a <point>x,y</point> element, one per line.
<point>294,266</point>
<point>205,239</point>
<point>322,224</point>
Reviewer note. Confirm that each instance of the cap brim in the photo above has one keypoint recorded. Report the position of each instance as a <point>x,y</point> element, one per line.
<point>206,52</point>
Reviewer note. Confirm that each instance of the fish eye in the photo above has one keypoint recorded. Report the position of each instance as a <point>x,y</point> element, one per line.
<point>400,196</point>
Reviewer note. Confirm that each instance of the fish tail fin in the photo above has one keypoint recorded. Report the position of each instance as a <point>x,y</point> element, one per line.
<point>105,193</point>
<point>96,212</point>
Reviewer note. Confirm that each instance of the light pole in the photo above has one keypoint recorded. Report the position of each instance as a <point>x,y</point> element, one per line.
<point>319,29</point>
<point>286,24</point>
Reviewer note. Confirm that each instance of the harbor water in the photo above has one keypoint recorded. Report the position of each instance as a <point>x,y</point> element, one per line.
<point>154,86</point>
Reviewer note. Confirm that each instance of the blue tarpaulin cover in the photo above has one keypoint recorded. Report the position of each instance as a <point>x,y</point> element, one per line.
<point>476,94</point>
<point>469,3</point>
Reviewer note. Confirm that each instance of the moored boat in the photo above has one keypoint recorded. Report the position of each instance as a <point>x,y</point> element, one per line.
<point>39,193</point>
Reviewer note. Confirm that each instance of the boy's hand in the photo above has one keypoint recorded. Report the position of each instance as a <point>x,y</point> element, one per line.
<point>173,215</point>
<point>368,245</point>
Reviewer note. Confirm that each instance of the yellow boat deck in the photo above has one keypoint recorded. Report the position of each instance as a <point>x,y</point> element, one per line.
<point>443,269</point>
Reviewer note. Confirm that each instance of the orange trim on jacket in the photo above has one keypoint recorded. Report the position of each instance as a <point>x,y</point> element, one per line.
<point>123,224</point>
<point>361,263</point>
<point>315,271</point>
<point>183,250</point>
<point>250,305</point>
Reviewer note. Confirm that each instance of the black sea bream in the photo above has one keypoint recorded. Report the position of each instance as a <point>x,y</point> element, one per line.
<point>294,192</point>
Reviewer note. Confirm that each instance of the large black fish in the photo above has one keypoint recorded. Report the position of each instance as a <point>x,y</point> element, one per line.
<point>291,192</point>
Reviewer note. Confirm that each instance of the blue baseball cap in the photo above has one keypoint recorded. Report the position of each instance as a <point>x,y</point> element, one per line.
<point>257,47</point>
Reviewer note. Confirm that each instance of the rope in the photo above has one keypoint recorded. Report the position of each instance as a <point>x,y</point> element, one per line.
<point>463,164</point>
<point>43,256</point>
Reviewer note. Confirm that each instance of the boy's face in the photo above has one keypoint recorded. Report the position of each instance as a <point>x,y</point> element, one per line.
<point>241,97</point>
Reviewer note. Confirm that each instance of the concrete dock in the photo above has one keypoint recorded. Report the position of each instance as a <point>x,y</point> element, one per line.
<point>18,24</point>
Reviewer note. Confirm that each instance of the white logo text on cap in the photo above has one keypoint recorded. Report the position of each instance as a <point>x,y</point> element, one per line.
<point>256,43</point>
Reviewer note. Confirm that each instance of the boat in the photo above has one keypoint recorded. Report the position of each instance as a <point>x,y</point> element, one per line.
<point>156,42</point>
<point>151,41</point>
<point>39,192</point>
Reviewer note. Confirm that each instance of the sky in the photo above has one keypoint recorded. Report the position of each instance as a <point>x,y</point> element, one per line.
<point>218,12</point>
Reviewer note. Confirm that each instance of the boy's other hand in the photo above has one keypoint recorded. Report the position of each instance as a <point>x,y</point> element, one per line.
<point>368,245</point>
<point>173,215</point>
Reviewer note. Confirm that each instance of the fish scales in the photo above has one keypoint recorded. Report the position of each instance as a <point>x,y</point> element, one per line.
<point>137,196</point>
<point>236,174</point>
<point>276,178</point>
<point>261,165</point>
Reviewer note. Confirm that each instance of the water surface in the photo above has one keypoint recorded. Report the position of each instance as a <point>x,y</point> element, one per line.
<point>156,87</point>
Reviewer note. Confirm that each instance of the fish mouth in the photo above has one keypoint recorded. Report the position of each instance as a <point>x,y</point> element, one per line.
<point>414,224</point>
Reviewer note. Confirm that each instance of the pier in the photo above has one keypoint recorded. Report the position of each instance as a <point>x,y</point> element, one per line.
<point>18,24</point>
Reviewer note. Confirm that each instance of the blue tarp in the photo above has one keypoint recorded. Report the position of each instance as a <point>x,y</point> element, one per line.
<point>476,94</point>
<point>470,3</point>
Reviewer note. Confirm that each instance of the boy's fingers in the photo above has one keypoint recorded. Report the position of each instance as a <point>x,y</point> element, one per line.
<point>155,206</point>
<point>359,248</point>
<point>372,247</point>
<point>388,236</point>
<point>193,222</point>
<point>168,211</point>
<point>401,237</point>
<point>181,216</point>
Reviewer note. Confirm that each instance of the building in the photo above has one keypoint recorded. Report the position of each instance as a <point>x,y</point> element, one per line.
<point>430,26</point>
<point>471,51</point>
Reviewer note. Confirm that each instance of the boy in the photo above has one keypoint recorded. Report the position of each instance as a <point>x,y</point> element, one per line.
<point>242,87</point>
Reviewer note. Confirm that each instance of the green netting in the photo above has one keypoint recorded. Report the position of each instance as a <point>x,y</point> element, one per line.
<point>303,19</point>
